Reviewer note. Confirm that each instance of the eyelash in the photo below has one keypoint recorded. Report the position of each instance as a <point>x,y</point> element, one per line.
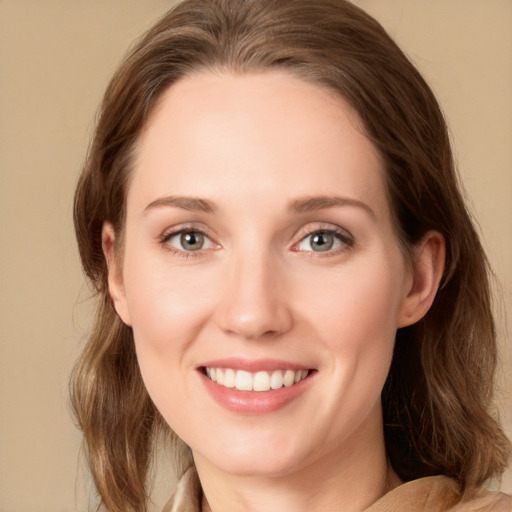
<point>164,239</point>
<point>342,236</point>
<point>345,238</point>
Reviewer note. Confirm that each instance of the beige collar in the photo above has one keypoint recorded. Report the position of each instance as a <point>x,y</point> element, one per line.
<point>430,494</point>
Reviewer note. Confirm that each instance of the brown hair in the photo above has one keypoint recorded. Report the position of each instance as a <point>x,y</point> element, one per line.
<point>436,399</point>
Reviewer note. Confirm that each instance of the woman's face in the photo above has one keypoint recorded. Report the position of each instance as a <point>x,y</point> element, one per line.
<point>259,251</point>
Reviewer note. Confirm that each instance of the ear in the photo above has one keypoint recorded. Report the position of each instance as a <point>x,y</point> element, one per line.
<point>427,270</point>
<point>115,274</point>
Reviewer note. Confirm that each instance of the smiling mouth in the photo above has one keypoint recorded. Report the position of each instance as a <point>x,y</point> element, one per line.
<point>242,380</point>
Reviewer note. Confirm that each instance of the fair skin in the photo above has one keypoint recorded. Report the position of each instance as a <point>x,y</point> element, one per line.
<point>259,240</point>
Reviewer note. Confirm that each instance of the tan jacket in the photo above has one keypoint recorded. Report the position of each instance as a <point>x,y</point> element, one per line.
<point>431,494</point>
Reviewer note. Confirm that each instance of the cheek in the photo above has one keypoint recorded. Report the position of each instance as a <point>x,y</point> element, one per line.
<point>168,309</point>
<point>356,321</point>
<point>165,302</point>
<point>356,305</point>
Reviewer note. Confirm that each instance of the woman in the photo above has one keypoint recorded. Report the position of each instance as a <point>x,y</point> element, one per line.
<point>289,278</point>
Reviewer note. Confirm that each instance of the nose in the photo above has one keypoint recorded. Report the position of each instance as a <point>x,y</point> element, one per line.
<point>253,300</point>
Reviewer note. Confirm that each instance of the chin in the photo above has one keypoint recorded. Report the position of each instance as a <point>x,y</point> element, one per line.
<point>255,457</point>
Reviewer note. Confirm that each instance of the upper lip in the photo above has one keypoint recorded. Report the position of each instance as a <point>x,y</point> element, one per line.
<point>253,365</point>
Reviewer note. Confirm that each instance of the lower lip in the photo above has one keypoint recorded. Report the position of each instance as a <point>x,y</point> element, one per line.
<point>255,402</point>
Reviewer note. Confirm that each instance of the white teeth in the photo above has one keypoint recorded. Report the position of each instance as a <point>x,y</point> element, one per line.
<point>289,378</point>
<point>243,381</point>
<point>259,381</point>
<point>229,378</point>
<point>276,380</point>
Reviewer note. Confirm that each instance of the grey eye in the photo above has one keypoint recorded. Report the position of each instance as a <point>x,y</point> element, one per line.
<point>189,241</point>
<point>192,241</point>
<point>322,241</point>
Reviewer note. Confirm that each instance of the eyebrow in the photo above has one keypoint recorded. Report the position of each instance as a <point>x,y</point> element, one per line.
<point>313,203</point>
<point>193,204</point>
<point>300,205</point>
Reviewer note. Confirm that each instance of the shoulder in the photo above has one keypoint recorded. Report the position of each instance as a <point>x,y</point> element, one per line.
<point>431,494</point>
<point>440,494</point>
<point>483,500</point>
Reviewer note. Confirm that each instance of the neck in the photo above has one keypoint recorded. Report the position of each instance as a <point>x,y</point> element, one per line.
<point>349,478</point>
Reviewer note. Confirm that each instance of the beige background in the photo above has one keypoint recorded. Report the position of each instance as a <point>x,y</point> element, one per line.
<point>55,59</point>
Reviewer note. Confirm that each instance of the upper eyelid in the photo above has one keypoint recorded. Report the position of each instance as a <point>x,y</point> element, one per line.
<point>172,234</point>
<point>322,226</point>
<point>175,230</point>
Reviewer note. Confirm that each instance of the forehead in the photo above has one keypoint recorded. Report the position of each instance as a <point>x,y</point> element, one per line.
<point>263,132</point>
